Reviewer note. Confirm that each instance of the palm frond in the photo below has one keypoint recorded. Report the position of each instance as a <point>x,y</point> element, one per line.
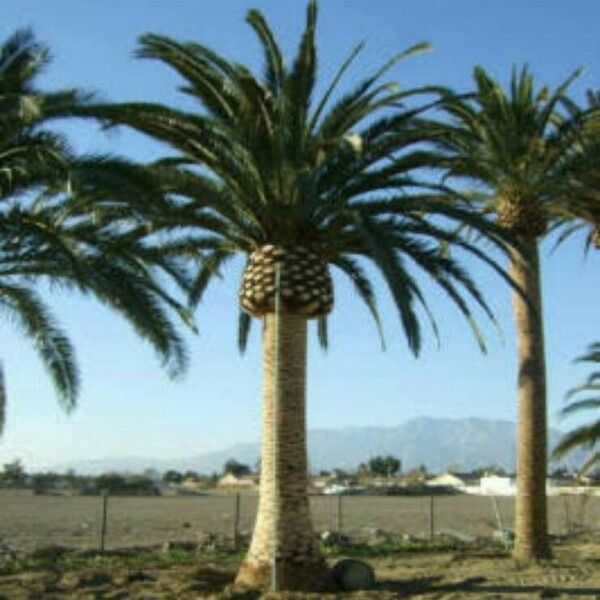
<point>584,436</point>
<point>274,65</point>
<point>54,349</point>
<point>322,332</point>
<point>91,224</point>
<point>399,282</point>
<point>244,327</point>
<point>364,289</point>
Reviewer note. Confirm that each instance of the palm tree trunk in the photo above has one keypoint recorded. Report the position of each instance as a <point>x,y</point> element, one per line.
<point>530,512</point>
<point>300,565</point>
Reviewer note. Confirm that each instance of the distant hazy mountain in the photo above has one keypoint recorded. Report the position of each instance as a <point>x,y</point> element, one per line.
<point>436,443</point>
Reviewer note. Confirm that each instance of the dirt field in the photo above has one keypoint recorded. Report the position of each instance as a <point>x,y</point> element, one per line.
<point>30,521</point>
<point>573,573</point>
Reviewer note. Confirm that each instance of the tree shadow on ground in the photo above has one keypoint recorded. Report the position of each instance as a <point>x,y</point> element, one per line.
<point>479,585</point>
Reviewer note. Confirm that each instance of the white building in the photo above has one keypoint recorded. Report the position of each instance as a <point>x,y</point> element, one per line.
<point>447,480</point>
<point>244,482</point>
<point>496,485</point>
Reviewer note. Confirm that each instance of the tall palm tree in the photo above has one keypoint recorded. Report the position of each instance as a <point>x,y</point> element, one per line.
<point>297,187</point>
<point>584,436</point>
<point>48,230</point>
<point>523,149</point>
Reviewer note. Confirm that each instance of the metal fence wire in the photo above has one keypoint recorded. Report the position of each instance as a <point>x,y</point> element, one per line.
<point>31,521</point>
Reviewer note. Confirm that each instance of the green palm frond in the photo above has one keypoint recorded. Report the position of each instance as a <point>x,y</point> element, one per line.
<point>275,72</point>
<point>590,462</point>
<point>211,264</point>
<point>87,223</point>
<point>244,327</point>
<point>323,332</point>
<point>25,308</point>
<point>263,162</point>
<point>584,436</point>
<point>585,404</point>
<point>363,287</point>
<point>401,285</point>
<point>22,59</point>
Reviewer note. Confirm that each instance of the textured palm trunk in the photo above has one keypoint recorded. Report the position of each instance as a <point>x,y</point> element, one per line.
<point>285,517</point>
<point>530,512</point>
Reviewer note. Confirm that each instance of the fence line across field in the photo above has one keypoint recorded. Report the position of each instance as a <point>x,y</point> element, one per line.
<point>105,522</point>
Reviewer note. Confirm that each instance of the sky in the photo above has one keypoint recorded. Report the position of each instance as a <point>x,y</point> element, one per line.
<point>128,406</point>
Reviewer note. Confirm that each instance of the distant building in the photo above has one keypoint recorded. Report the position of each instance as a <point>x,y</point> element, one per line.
<point>496,485</point>
<point>318,483</point>
<point>499,485</point>
<point>448,480</point>
<point>231,482</point>
<point>378,481</point>
<point>190,485</point>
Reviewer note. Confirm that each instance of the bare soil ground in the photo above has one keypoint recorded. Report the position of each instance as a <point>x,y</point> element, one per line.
<point>28,521</point>
<point>450,574</point>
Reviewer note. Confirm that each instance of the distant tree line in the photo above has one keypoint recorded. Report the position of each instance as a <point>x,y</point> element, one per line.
<point>150,482</point>
<point>147,483</point>
<point>13,475</point>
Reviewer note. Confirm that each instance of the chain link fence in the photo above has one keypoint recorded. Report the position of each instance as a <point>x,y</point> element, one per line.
<point>31,521</point>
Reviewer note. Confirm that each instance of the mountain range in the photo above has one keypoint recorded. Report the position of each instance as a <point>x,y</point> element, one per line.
<point>462,444</point>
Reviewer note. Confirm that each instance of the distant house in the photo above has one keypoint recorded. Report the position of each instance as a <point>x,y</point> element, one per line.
<point>448,480</point>
<point>231,482</point>
<point>377,481</point>
<point>190,485</point>
<point>496,485</point>
<point>317,484</point>
<point>320,481</point>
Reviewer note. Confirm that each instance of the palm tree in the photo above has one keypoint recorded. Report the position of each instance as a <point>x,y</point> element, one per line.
<point>297,187</point>
<point>524,150</point>
<point>584,436</point>
<point>48,230</point>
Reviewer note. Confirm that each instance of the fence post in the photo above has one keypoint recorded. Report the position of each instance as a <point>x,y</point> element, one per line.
<point>431,519</point>
<point>236,522</point>
<point>104,519</point>
<point>339,522</point>
<point>497,513</point>
<point>567,519</point>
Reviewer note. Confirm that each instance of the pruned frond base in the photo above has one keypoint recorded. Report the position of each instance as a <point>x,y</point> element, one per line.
<point>522,218</point>
<point>306,288</point>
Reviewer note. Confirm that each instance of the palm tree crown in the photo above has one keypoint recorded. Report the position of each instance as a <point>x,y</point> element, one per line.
<point>280,171</point>
<point>526,146</point>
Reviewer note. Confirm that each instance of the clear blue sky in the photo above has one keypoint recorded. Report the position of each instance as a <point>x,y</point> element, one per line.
<point>128,406</point>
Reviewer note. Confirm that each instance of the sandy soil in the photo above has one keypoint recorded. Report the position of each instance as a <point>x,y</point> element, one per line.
<point>35,521</point>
